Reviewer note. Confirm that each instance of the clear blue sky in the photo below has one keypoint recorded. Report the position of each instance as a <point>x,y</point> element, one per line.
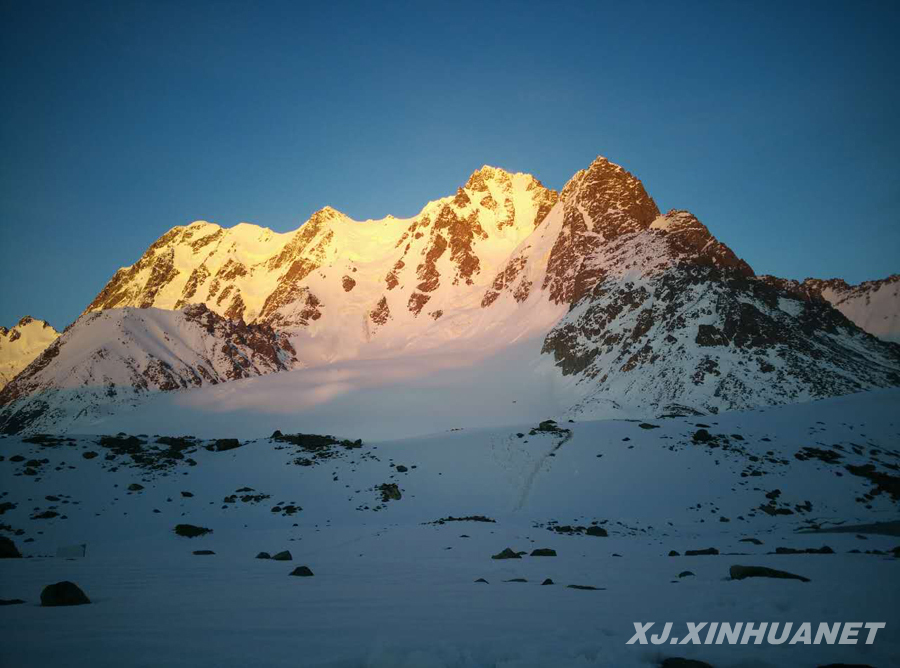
<point>776,123</point>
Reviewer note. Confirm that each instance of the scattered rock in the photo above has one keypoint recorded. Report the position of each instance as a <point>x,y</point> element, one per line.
<point>548,581</point>
<point>90,454</point>
<point>677,662</point>
<point>701,553</point>
<point>11,601</point>
<point>8,549</point>
<point>755,541</point>
<point>673,553</point>
<point>284,555</point>
<point>741,572</point>
<point>263,555</point>
<point>543,552</point>
<point>203,553</point>
<point>506,554</point>
<point>302,571</point>
<point>191,531</point>
<point>597,531</point>
<point>402,469</point>
<point>389,492</point>
<point>225,444</point>
<point>702,436</point>
<point>810,550</point>
<point>135,487</point>
<point>63,593</point>
<point>584,587</point>
<point>187,495</point>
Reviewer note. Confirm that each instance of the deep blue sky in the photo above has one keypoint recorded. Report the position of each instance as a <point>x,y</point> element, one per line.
<point>777,124</point>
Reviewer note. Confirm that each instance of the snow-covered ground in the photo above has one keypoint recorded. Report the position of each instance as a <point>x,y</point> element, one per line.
<point>393,589</point>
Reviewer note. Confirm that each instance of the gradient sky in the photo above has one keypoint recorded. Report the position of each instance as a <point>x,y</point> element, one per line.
<point>775,123</point>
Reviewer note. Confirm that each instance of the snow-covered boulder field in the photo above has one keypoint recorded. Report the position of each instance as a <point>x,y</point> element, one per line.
<point>396,535</point>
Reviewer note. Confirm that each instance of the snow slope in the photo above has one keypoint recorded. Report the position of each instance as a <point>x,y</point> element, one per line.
<point>116,358</point>
<point>391,588</point>
<point>21,344</point>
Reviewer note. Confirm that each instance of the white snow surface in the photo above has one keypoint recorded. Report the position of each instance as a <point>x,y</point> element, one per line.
<point>391,590</point>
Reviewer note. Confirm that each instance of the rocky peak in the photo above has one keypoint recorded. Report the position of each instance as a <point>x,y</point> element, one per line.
<point>691,241</point>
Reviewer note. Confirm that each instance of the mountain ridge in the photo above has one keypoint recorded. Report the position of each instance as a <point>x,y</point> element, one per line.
<point>634,307</point>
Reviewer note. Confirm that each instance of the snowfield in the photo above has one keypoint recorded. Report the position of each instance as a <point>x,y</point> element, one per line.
<point>393,586</point>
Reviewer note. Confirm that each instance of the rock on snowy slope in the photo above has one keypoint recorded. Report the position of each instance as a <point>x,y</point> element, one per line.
<point>117,357</point>
<point>21,344</point>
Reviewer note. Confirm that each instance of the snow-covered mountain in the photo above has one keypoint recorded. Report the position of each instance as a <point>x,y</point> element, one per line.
<point>21,344</point>
<point>636,312</point>
<point>114,358</point>
<point>873,305</point>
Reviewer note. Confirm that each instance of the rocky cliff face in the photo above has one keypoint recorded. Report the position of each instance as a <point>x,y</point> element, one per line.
<point>21,344</point>
<point>635,309</point>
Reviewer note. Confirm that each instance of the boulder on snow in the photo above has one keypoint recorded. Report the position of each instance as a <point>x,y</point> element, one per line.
<point>507,553</point>
<point>63,593</point>
<point>543,552</point>
<point>390,492</point>
<point>224,444</point>
<point>548,581</point>
<point>678,662</point>
<point>203,553</point>
<point>597,531</point>
<point>482,580</point>
<point>302,571</point>
<point>710,551</point>
<point>8,549</point>
<point>741,572</point>
<point>284,555</point>
<point>11,601</point>
<point>263,555</point>
<point>191,531</point>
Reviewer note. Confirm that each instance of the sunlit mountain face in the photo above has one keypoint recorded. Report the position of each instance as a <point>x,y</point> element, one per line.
<point>588,302</point>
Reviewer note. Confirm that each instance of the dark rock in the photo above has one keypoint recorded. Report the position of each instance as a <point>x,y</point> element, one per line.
<point>390,492</point>
<point>482,580</point>
<point>203,553</point>
<point>701,553</point>
<point>191,531</point>
<point>224,444</point>
<point>584,587</point>
<point>11,601</point>
<point>810,550</point>
<point>597,531</point>
<point>543,552</point>
<point>677,662</point>
<point>647,425</point>
<point>8,549</point>
<point>264,555</point>
<point>302,571</point>
<point>741,572</point>
<point>134,487</point>
<point>755,541</point>
<point>402,469</point>
<point>702,436</point>
<point>548,581</point>
<point>63,593</point>
<point>187,495</point>
<point>89,455</point>
<point>276,434</point>
<point>673,553</point>
<point>284,555</point>
<point>517,580</point>
<point>506,554</point>
<point>684,574</point>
